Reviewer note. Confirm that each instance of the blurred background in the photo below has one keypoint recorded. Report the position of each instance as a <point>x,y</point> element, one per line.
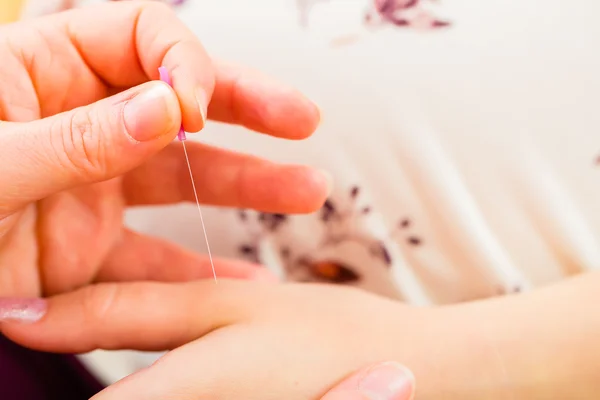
<point>9,10</point>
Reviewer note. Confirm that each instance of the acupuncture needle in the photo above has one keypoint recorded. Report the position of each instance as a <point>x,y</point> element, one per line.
<point>164,76</point>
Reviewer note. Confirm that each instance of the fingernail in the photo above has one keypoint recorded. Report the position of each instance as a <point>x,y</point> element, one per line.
<point>389,381</point>
<point>320,115</point>
<point>152,112</point>
<point>22,310</point>
<point>202,105</point>
<point>329,180</point>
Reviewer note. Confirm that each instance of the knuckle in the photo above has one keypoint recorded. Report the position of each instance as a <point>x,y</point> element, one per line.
<point>99,303</point>
<point>77,142</point>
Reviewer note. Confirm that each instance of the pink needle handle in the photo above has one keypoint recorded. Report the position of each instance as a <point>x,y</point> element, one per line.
<point>164,76</point>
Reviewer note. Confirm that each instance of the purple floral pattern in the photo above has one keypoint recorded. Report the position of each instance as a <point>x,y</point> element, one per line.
<point>170,2</point>
<point>266,224</point>
<point>400,13</point>
<point>403,13</point>
<point>403,229</point>
<point>338,218</point>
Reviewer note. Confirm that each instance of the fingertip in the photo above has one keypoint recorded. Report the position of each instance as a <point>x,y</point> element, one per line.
<point>193,91</point>
<point>27,327</point>
<point>381,381</point>
<point>193,105</point>
<point>327,177</point>
<point>262,104</point>
<point>308,188</point>
<point>194,83</point>
<point>312,119</point>
<point>295,117</point>
<point>22,310</point>
<point>202,103</point>
<point>388,381</point>
<point>291,115</point>
<point>320,182</point>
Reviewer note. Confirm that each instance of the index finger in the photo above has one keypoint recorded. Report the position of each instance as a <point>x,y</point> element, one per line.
<point>124,43</point>
<point>100,316</point>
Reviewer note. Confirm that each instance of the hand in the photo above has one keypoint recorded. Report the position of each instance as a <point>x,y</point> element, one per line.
<point>69,169</point>
<point>260,341</point>
<point>382,381</point>
<point>254,341</point>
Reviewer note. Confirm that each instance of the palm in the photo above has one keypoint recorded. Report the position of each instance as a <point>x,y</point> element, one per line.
<point>64,241</point>
<point>66,238</point>
<point>30,235</point>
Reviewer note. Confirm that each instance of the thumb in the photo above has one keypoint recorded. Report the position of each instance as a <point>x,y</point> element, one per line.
<point>384,381</point>
<point>85,145</point>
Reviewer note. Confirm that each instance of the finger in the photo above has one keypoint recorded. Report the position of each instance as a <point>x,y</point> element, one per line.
<point>113,316</point>
<point>79,227</point>
<point>247,98</point>
<point>383,381</point>
<point>139,257</point>
<point>86,145</point>
<point>226,178</point>
<point>124,43</point>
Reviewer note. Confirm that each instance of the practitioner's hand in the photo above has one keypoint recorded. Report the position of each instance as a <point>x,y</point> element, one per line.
<point>83,135</point>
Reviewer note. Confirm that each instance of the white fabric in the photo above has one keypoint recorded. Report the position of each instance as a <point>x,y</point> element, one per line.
<point>481,133</point>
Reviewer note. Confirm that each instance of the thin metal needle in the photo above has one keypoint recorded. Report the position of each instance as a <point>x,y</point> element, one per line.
<point>164,76</point>
<point>187,159</point>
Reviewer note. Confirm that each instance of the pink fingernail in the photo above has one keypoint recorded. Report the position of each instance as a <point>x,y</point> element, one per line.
<point>389,381</point>
<point>22,310</point>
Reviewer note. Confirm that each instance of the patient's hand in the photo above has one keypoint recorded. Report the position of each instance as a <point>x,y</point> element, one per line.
<point>243,340</point>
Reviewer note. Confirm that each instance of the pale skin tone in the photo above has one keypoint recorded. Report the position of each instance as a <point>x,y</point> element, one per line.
<point>541,345</point>
<point>68,170</point>
<point>70,176</point>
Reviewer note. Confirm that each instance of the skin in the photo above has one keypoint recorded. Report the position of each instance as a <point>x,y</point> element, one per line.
<point>69,170</point>
<point>208,342</point>
<point>243,332</point>
<point>70,166</point>
<point>540,345</point>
